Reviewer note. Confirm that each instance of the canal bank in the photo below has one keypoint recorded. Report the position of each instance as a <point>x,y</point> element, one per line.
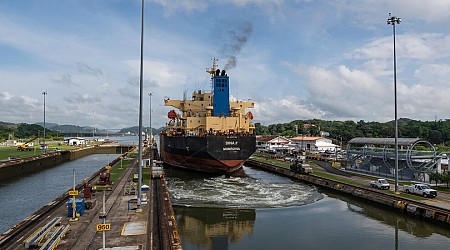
<point>24,166</point>
<point>436,212</point>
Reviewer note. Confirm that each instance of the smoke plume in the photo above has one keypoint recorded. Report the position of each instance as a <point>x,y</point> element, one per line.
<point>236,39</point>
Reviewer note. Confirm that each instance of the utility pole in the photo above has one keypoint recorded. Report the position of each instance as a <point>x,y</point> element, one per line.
<point>151,132</point>
<point>93,126</point>
<point>104,220</point>
<point>45,146</point>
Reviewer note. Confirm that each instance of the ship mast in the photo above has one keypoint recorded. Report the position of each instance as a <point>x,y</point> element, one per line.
<point>212,71</point>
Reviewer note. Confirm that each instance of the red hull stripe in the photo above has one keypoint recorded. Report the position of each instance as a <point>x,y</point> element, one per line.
<point>204,165</point>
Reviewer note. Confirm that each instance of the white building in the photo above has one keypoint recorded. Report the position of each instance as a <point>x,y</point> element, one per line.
<point>314,143</point>
<point>274,144</point>
<point>75,141</point>
<point>11,143</point>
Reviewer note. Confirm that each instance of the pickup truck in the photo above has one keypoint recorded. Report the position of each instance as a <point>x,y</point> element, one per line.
<point>380,183</point>
<point>421,189</point>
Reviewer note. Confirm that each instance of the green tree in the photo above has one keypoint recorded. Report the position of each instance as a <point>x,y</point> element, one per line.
<point>288,133</point>
<point>261,129</point>
<point>446,177</point>
<point>435,177</point>
<point>435,136</point>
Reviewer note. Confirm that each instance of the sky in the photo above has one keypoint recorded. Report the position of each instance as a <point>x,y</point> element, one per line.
<point>296,60</point>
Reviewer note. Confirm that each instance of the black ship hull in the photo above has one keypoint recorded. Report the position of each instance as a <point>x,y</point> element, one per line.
<point>210,153</point>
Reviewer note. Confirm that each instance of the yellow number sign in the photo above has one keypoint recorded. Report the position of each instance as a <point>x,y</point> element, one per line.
<point>73,192</point>
<point>103,227</point>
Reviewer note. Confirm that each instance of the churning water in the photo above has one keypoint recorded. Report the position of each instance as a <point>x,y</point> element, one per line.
<point>251,191</point>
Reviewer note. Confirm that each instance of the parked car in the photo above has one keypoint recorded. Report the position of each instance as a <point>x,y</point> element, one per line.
<point>380,183</point>
<point>421,189</point>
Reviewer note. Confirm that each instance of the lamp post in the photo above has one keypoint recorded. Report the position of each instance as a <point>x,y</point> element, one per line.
<point>45,148</point>
<point>141,93</point>
<point>93,126</point>
<point>392,20</point>
<point>151,132</point>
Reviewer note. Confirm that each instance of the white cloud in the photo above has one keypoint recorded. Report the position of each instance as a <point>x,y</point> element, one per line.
<point>430,11</point>
<point>343,93</point>
<point>415,46</point>
<point>172,6</point>
<point>434,74</point>
<point>370,12</point>
<point>6,96</point>
<point>284,110</point>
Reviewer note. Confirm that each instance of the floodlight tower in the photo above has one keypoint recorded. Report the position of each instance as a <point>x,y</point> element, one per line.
<point>393,20</point>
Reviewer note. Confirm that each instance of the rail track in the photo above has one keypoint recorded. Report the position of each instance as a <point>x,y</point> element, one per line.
<point>12,238</point>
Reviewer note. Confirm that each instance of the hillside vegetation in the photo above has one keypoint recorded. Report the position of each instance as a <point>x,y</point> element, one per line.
<point>436,132</point>
<point>24,131</point>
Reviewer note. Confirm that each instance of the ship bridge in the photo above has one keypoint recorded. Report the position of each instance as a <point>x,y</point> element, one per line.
<point>376,156</point>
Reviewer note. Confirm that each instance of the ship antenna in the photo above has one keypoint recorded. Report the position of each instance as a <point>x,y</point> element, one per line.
<point>212,71</point>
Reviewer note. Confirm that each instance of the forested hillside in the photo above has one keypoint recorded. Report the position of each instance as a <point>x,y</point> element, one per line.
<point>23,131</point>
<point>436,132</point>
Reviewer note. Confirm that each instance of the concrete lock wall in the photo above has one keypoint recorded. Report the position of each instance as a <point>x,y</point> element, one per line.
<point>21,167</point>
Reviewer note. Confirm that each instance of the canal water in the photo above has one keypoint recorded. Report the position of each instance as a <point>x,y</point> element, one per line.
<point>265,211</point>
<point>22,196</point>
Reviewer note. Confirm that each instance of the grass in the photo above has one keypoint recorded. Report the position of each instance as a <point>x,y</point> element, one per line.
<point>116,171</point>
<point>145,175</point>
<point>441,189</point>
<point>408,196</point>
<point>333,177</point>
<point>12,151</point>
<point>133,155</point>
<point>275,162</point>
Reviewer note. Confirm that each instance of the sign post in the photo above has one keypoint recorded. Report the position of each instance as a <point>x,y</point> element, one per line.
<point>103,227</point>
<point>74,194</point>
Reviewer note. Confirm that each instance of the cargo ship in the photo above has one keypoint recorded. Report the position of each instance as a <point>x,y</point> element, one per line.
<point>209,133</point>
